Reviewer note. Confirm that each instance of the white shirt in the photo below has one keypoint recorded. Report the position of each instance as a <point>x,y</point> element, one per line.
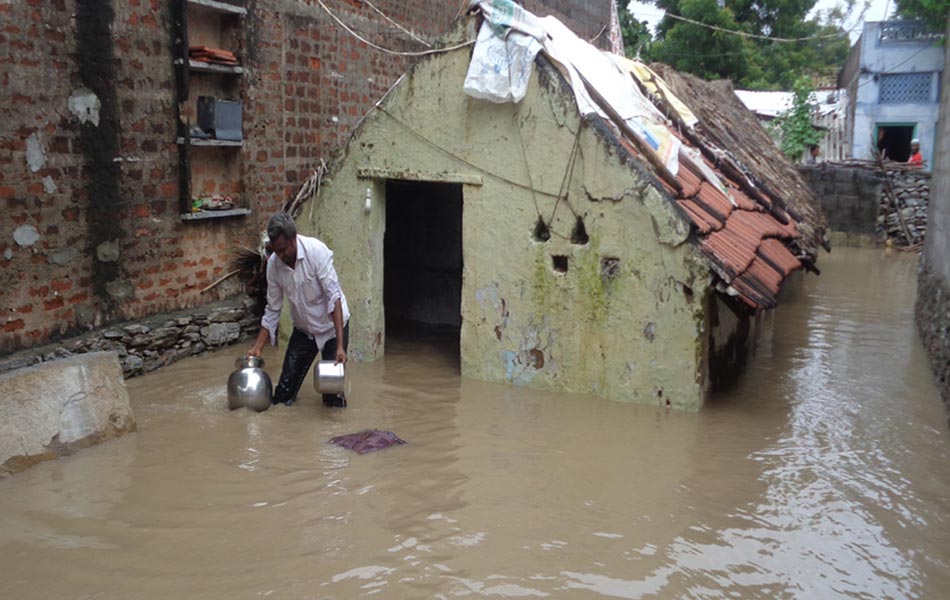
<point>311,288</point>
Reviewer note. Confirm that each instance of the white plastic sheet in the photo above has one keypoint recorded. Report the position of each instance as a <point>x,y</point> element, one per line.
<point>501,66</point>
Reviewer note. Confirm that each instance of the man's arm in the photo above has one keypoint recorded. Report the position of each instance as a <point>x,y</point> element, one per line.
<point>338,326</point>
<point>258,346</point>
<point>271,318</point>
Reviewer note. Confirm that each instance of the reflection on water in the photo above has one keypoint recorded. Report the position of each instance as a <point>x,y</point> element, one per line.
<point>822,475</point>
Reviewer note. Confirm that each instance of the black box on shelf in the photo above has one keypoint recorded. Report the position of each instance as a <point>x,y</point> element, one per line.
<point>221,119</point>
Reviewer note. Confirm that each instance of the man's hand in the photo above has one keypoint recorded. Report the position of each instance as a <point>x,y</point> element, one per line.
<point>340,355</point>
<point>258,345</point>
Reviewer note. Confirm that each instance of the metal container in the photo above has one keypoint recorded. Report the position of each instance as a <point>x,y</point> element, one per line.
<point>330,378</point>
<point>250,385</point>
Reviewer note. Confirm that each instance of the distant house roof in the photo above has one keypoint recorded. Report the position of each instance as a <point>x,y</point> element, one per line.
<point>768,104</point>
<point>772,104</point>
<point>755,219</point>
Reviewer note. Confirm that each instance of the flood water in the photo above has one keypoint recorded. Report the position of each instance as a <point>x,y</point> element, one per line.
<point>824,474</point>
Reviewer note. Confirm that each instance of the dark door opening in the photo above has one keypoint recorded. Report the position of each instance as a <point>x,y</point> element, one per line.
<point>894,141</point>
<point>422,271</point>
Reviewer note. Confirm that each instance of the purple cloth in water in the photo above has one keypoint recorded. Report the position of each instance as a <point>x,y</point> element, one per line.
<point>370,440</point>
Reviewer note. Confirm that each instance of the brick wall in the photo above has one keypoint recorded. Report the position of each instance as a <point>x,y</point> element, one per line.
<point>89,167</point>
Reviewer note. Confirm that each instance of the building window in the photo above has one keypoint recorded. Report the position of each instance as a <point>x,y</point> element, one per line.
<point>899,88</point>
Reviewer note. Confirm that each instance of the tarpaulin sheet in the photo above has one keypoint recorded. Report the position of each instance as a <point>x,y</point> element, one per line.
<point>654,85</point>
<point>501,66</point>
<point>584,65</point>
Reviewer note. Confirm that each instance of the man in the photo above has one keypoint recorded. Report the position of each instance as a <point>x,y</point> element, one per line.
<point>301,269</point>
<point>916,158</point>
<point>813,153</point>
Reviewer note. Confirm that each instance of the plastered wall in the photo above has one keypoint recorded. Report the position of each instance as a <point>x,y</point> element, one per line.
<point>624,321</point>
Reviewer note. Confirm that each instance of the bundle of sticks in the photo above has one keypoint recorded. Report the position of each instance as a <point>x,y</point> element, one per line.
<point>250,264</point>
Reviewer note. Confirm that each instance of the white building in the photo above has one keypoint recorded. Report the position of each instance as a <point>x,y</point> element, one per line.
<point>893,80</point>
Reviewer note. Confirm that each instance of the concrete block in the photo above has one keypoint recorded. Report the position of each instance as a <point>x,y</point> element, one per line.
<point>56,408</point>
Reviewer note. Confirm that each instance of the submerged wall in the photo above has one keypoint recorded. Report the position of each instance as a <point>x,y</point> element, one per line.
<point>54,409</point>
<point>620,314</point>
<point>933,292</point>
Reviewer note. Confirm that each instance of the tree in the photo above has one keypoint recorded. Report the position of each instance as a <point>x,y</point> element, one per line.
<point>637,38</point>
<point>711,50</point>
<point>934,12</point>
<point>794,126</point>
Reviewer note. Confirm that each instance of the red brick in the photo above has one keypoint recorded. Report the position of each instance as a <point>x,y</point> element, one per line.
<point>53,304</point>
<point>11,326</point>
<point>61,285</point>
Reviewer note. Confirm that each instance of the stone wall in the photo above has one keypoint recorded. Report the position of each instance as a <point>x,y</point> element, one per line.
<point>148,344</point>
<point>933,322</point>
<point>850,197</point>
<point>91,232</point>
<point>859,205</point>
<point>933,289</point>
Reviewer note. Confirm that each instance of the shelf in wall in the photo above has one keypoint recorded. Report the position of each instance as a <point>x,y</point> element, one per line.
<point>205,67</point>
<point>221,7</point>
<point>215,214</point>
<point>197,65</point>
<point>211,142</point>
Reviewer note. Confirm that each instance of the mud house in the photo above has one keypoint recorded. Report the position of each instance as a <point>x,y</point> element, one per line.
<point>567,251</point>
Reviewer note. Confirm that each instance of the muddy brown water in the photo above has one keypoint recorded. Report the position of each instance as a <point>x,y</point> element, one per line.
<point>824,474</point>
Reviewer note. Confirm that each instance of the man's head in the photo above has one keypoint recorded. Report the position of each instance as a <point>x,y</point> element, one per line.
<point>282,233</point>
<point>914,145</point>
<point>813,150</point>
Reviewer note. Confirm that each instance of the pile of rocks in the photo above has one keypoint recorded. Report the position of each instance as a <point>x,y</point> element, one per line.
<point>911,190</point>
<point>144,346</point>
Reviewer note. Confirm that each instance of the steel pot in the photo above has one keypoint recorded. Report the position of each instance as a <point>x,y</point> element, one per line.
<point>250,385</point>
<point>330,377</point>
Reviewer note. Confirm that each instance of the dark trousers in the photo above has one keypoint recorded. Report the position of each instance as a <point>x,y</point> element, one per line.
<point>301,350</point>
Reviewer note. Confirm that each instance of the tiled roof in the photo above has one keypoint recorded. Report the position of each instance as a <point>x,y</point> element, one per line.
<point>742,239</point>
<point>743,242</point>
<point>724,122</point>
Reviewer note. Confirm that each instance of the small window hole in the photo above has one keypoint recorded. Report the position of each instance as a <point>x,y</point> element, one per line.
<point>579,234</point>
<point>609,267</point>
<point>560,263</point>
<point>541,231</point>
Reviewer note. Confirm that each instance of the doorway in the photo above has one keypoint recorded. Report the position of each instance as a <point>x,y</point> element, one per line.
<point>422,270</point>
<point>893,140</point>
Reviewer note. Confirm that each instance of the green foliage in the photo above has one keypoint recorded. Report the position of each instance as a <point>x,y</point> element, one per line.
<point>637,38</point>
<point>794,126</point>
<point>751,63</point>
<point>934,12</point>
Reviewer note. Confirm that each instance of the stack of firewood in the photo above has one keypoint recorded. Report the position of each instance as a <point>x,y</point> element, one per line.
<point>905,223</point>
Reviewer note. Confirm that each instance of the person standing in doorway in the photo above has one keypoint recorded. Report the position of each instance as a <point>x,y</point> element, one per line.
<point>813,152</point>
<point>916,158</point>
<point>301,270</point>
